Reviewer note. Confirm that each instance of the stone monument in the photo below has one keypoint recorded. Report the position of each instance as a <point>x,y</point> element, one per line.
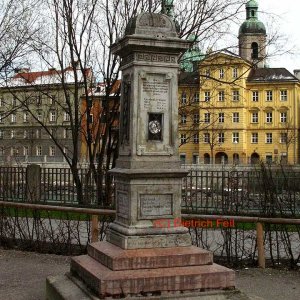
<point>146,253</point>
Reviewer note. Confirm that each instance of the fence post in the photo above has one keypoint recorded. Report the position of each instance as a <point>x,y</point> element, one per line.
<point>33,183</point>
<point>260,245</point>
<point>95,228</point>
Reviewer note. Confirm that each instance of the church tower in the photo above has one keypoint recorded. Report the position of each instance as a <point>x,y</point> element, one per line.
<point>253,36</point>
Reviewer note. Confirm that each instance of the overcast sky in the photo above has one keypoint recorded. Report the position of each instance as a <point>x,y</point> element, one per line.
<point>288,17</point>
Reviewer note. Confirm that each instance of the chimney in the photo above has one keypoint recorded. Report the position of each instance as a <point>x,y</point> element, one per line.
<point>21,70</point>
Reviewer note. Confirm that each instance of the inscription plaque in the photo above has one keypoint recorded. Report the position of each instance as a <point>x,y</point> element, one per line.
<point>123,204</point>
<point>155,91</point>
<point>157,205</point>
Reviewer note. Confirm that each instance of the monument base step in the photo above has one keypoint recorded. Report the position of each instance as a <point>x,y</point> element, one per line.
<point>115,258</point>
<point>106,282</point>
<point>67,287</point>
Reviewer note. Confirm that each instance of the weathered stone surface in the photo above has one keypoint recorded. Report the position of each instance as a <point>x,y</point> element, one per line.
<point>105,282</point>
<point>115,258</point>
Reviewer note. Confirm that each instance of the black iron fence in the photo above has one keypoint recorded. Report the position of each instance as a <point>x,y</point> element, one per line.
<point>257,192</point>
<point>263,192</point>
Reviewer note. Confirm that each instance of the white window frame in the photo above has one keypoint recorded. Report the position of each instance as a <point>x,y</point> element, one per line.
<point>183,98</point>
<point>196,138</point>
<point>12,133</point>
<point>183,118</point>
<point>207,118</point>
<point>221,73</point>
<point>52,151</point>
<point>66,117</point>
<point>269,95</point>
<point>1,133</point>
<point>183,138</point>
<point>221,137</point>
<point>13,118</point>
<point>255,96</point>
<point>269,138</point>
<point>25,150</point>
<point>235,95</point>
<point>283,117</point>
<point>235,117</point>
<point>283,137</point>
<point>52,117</point>
<point>283,95</point>
<point>221,96</point>
<point>269,117</point>
<point>39,150</point>
<point>206,137</point>
<point>25,117</point>
<point>25,134</point>
<point>235,137</point>
<point>196,97</point>
<point>207,96</point>
<point>254,117</point>
<point>235,73</point>
<point>254,138</point>
<point>221,118</point>
<point>196,119</point>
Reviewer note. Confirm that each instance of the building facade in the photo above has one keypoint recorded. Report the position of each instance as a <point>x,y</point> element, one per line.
<point>247,111</point>
<point>35,116</point>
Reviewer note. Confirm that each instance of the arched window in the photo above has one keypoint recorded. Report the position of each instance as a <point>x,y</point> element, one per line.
<point>252,13</point>
<point>254,48</point>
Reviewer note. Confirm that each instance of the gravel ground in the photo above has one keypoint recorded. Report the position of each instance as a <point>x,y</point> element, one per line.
<point>23,276</point>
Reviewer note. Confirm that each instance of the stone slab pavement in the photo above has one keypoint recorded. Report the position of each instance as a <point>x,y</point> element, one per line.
<point>23,277</point>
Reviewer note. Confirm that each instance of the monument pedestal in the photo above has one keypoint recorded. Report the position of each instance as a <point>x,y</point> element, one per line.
<point>110,271</point>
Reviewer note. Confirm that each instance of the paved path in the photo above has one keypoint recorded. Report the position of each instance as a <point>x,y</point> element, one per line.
<point>23,275</point>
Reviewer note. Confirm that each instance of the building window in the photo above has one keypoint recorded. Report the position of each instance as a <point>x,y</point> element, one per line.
<point>52,151</point>
<point>26,135</point>
<point>255,96</point>
<point>13,118</point>
<point>221,137</point>
<point>255,117</point>
<point>183,138</point>
<point>196,138</point>
<point>206,138</point>
<point>38,101</point>
<point>269,138</point>
<point>221,96</point>
<point>235,117</point>
<point>195,159</point>
<point>235,137</point>
<point>183,98</point>
<point>1,133</point>
<point>52,99</point>
<point>221,117</point>
<point>207,118</point>
<point>39,151</point>
<point>38,133</point>
<point>2,152</point>
<point>66,117</point>
<point>283,95</point>
<point>182,158</point>
<point>254,138</point>
<point>269,95</point>
<point>39,116</point>
<point>25,150</point>
<point>283,137</point>
<point>235,95</point>
<point>12,134</point>
<point>269,117</point>
<point>196,119</point>
<point>14,102</point>
<point>183,119</point>
<point>1,117</point>
<point>283,117</point>
<point>2,103</point>
<point>52,116</point>
<point>196,97</point>
<point>207,96</point>
<point>25,117</point>
<point>14,151</point>
<point>207,72</point>
<point>269,158</point>
<point>235,72</point>
<point>221,73</point>
<point>65,133</point>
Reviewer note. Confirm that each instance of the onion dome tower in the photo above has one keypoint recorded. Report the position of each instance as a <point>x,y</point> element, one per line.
<point>253,36</point>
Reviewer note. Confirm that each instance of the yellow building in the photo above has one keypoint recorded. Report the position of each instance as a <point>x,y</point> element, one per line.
<point>247,111</point>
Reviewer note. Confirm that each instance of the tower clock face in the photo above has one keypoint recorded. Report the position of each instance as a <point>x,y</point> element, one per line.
<point>155,124</point>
